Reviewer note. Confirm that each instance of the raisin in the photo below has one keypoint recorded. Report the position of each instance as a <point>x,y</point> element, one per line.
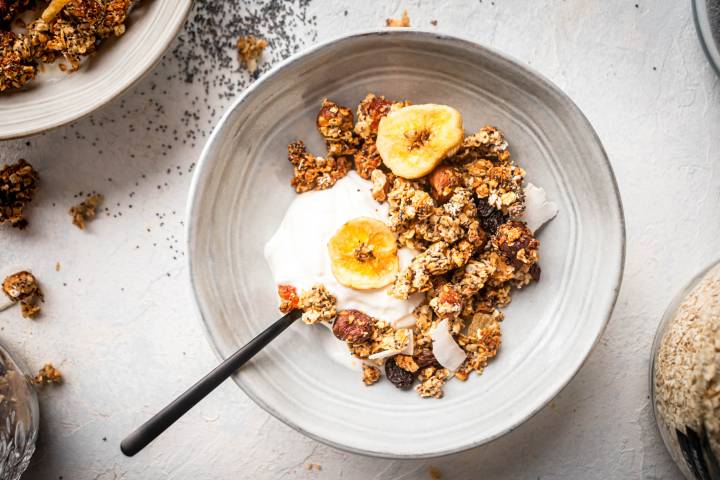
<point>535,272</point>
<point>353,326</point>
<point>490,217</point>
<point>399,377</point>
<point>426,358</point>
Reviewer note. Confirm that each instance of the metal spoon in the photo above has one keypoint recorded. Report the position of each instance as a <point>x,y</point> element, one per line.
<point>149,430</point>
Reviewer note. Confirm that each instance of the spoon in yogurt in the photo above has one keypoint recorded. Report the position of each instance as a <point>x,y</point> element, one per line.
<point>160,422</point>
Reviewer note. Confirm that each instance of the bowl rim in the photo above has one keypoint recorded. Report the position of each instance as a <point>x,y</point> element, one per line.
<point>152,62</point>
<point>201,174</point>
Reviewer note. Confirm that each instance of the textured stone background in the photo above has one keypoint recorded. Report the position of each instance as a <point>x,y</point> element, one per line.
<point>119,321</point>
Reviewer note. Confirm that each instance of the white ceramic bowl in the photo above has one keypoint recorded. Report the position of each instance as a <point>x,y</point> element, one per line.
<point>55,98</point>
<point>241,190</point>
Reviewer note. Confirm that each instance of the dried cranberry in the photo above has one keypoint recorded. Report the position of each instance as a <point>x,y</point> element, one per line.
<point>535,272</point>
<point>399,377</point>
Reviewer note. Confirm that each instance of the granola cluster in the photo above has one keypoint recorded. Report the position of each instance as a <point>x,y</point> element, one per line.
<point>24,288</point>
<point>48,375</point>
<point>18,184</point>
<point>66,29</point>
<point>461,218</point>
<point>350,144</point>
<point>249,49</point>
<point>85,210</point>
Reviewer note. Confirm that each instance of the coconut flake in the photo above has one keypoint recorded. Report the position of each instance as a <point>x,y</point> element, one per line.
<point>538,210</point>
<point>410,347</point>
<point>444,347</point>
<point>383,354</point>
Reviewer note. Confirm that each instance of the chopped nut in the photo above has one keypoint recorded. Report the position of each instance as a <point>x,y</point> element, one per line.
<point>371,374</point>
<point>353,326</point>
<point>250,48</point>
<point>403,21</point>
<point>48,375</point>
<point>85,210</point>
<point>443,180</point>
<point>18,184</point>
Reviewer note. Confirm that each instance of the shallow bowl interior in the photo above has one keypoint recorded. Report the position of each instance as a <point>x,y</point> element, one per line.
<point>241,190</point>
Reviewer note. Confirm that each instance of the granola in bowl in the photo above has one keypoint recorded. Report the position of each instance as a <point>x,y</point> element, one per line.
<point>65,30</point>
<point>413,237</point>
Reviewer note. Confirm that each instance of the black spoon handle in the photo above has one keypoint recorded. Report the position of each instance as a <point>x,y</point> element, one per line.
<point>149,430</point>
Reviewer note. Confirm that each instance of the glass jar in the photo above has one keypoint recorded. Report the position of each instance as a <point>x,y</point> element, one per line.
<point>19,418</point>
<point>685,377</point>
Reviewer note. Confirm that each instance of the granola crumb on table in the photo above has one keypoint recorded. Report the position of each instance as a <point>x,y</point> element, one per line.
<point>249,49</point>
<point>24,288</point>
<point>403,21</point>
<point>48,375</point>
<point>85,210</point>
<point>18,184</point>
<point>461,219</point>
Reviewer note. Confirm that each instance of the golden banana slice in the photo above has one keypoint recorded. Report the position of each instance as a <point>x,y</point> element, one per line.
<point>363,254</point>
<point>413,140</point>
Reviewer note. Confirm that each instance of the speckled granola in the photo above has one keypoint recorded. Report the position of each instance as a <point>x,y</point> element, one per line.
<point>67,29</point>
<point>462,216</point>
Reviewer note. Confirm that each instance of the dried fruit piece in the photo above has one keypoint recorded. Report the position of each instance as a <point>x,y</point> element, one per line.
<point>369,113</point>
<point>363,254</point>
<point>399,377</point>
<point>490,217</point>
<point>414,139</point>
<point>516,244</point>
<point>18,184</point>
<point>425,358</point>
<point>289,299</point>
<point>353,326</point>
<point>85,210</point>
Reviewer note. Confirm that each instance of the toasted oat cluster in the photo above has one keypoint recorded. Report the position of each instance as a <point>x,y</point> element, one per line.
<point>48,375</point>
<point>18,184</point>
<point>249,49</point>
<point>462,218</point>
<point>66,29</point>
<point>85,210</point>
<point>24,288</point>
